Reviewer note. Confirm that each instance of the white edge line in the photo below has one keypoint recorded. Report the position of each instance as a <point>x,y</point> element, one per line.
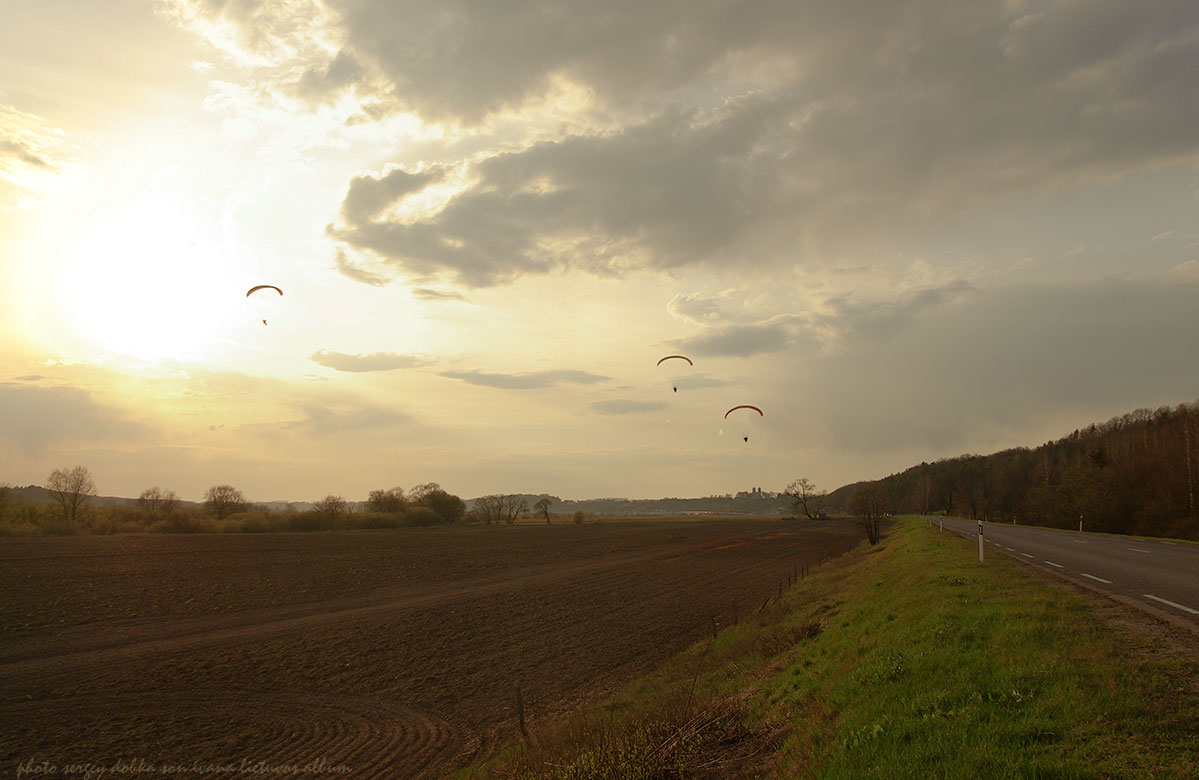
<point>1098,579</point>
<point>1171,603</point>
<point>1026,555</point>
<point>1051,563</point>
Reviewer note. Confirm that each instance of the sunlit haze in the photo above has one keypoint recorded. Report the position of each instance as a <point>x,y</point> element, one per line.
<point>903,231</point>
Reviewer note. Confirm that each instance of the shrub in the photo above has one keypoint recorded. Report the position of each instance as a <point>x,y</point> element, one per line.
<point>423,516</point>
<point>580,516</point>
<point>370,520</point>
<point>184,523</point>
<point>255,522</point>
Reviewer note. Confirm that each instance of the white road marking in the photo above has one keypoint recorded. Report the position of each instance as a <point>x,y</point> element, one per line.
<point>1100,579</point>
<point>1171,603</point>
<point>1026,555</point>
<point>1134,549</point>
<point>1009,549</point>
<point>1079,541</point>
<point>1051,563</point>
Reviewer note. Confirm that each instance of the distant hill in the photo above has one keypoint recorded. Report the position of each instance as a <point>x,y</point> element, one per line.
<point>745,503</point>
<point>1134,474</point>
<point>34,494</point>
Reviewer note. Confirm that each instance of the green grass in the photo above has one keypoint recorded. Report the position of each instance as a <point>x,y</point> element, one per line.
<point>908,660</point>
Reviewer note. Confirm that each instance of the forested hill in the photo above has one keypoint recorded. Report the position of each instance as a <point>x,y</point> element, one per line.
<point>1133,474</point>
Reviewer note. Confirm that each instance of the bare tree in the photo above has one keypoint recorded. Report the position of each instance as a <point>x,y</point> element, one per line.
<point>71,489</point>
<point>156,503</point>
<point>542,508</point>
<point>514,506</point>
<point>223,500</point>
<point>330,509</point>
<point>497,508</point>
<point>869,504</point>
<point>806,498</point>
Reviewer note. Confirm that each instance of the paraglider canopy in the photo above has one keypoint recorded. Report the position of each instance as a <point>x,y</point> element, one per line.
<point>258,287</point>
<point>674,369</point>
<point>745,437</point>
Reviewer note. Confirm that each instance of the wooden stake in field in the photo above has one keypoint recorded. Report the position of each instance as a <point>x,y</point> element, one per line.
<point>520,712</point>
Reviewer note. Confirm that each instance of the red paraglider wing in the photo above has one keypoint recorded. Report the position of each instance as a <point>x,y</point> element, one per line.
<point>263,287</point>
<point>680,357</point>
<point>743,406</point>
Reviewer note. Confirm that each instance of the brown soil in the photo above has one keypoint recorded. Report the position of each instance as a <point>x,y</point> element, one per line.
<point>361,655</point>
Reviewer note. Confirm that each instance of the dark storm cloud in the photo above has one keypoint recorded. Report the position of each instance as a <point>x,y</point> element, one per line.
<point>625,406</point>
<point>34,417</point>
<point>376,361</point>
<point>671,192</point>
<point>863,121</point>
<point>528,381</point>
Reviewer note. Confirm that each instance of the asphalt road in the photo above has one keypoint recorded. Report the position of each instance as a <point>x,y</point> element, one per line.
<point>1159,576</point>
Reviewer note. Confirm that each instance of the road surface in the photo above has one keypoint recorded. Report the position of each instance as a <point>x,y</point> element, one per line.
<point>1157,575</point>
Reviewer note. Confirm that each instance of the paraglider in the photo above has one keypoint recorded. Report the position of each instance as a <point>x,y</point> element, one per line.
<point>258,287</point>
<point>744,438</point>
<point>675,369</point>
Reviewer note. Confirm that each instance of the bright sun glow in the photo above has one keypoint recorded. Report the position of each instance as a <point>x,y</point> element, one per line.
<point>152,283</point>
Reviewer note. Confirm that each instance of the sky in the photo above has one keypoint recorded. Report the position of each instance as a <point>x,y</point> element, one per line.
<point>904,229</point>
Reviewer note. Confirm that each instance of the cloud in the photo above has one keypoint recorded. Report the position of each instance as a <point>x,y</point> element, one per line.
<point>35,418</point>
<point>1019,364</point>
<point>428,294</point>
<point>368,195</point>
<point>740,341</point>
<point>883,319</point>
<point>29,378</point>
<point>22,153</point>
<point>625,406</point>
<point>377,361</point>
<point>324,82</point>
<point>336,415</point>
<point>528,381</point>
<point>357,273</point>
<point>696,308</point>
<point>762,135</point>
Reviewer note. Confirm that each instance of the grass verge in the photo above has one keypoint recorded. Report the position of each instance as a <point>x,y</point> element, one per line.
<point>907,660</point>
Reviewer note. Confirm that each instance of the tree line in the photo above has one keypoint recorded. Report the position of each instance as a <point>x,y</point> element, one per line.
<point>1134,474</point>
<point>75,508</point>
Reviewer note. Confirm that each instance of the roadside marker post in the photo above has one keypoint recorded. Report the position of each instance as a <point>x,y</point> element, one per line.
<point>980,541</point>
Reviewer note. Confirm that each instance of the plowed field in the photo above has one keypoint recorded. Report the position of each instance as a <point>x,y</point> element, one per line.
<point>359,655</point>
